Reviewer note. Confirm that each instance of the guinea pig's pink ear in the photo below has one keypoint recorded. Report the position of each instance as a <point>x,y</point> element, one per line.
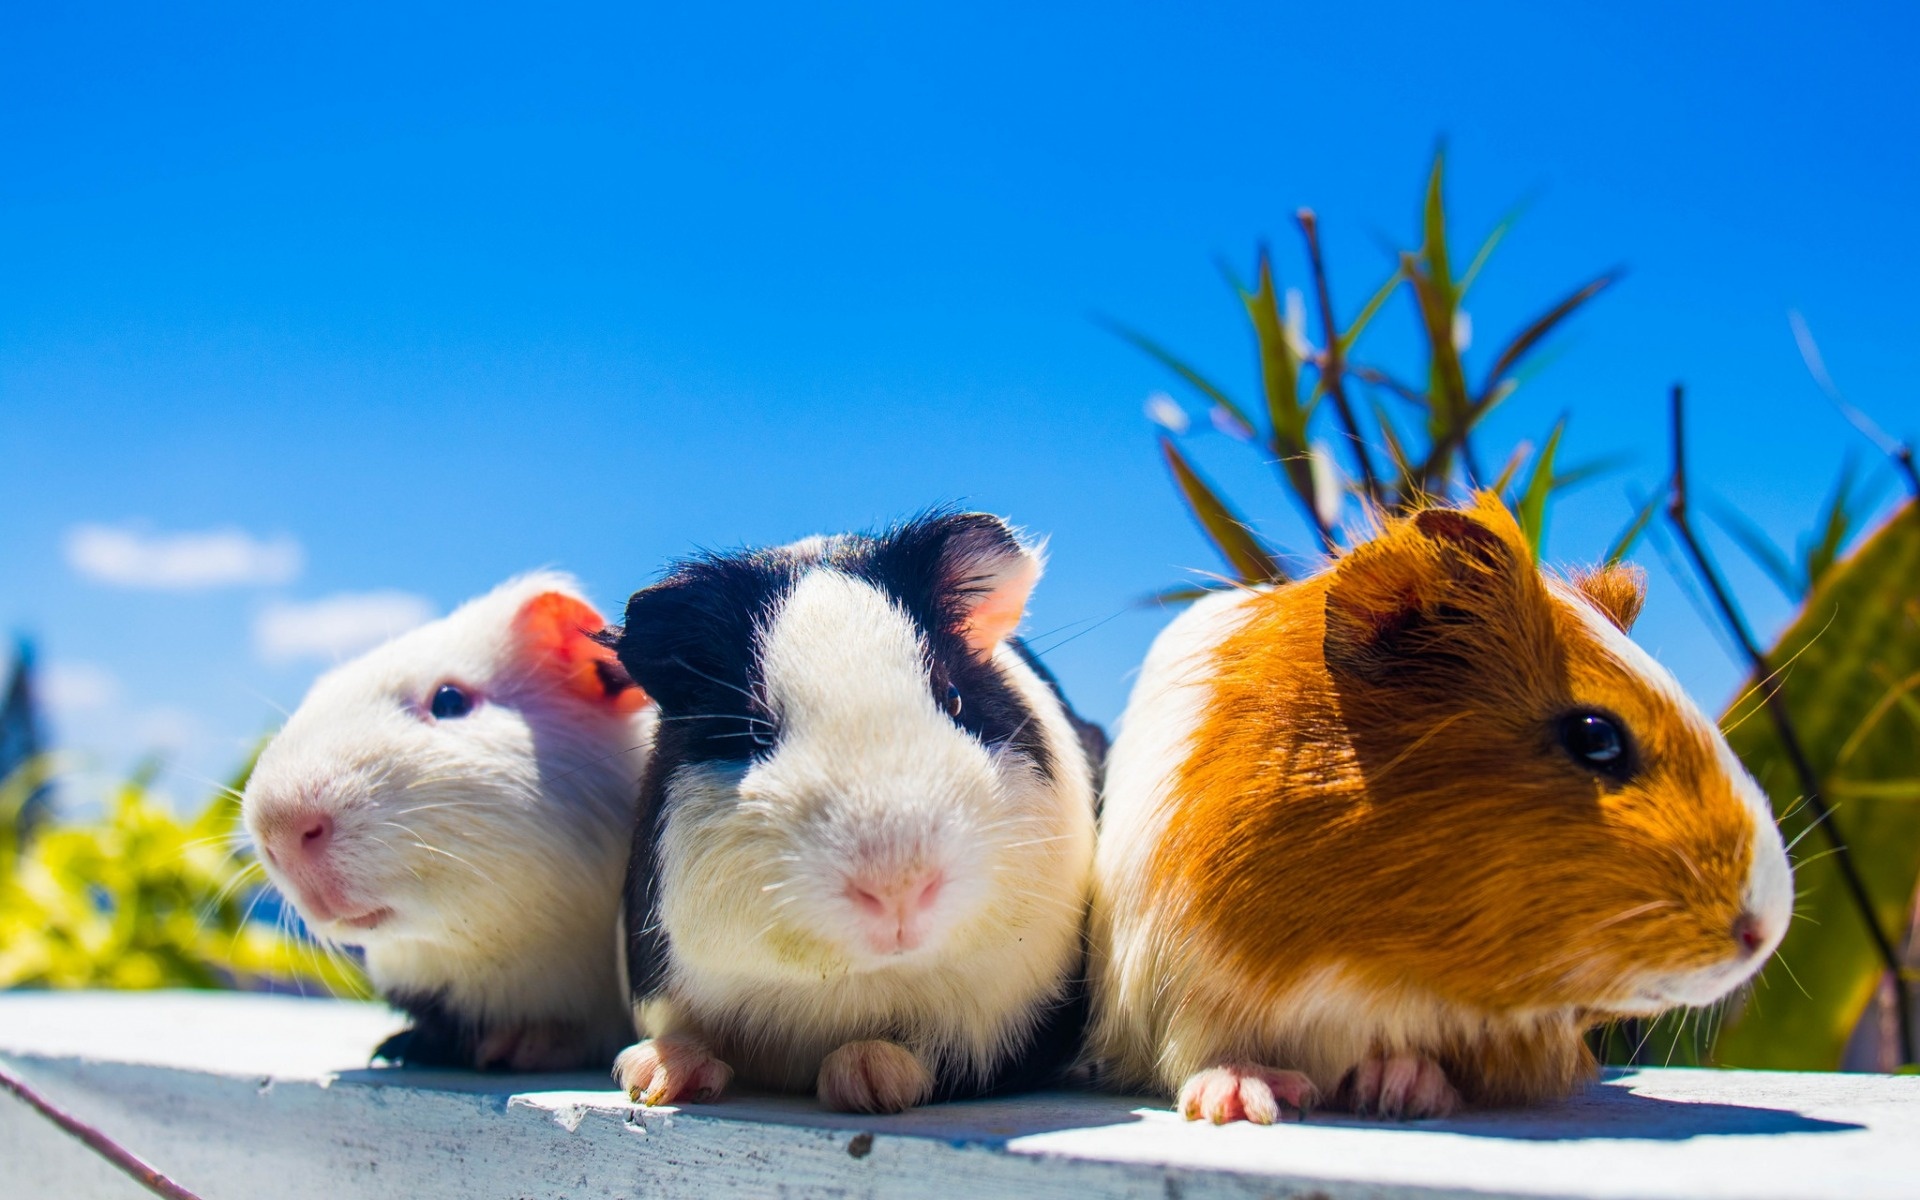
<point>1618,590</point>
<point>990,573</point>
<point>1424,592</point>
<point>556,634</point>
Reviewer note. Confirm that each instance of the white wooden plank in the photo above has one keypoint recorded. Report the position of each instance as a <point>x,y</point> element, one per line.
<point>243,1096</point>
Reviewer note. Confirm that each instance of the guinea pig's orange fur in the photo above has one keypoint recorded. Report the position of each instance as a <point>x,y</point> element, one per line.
<point>1373,852</point>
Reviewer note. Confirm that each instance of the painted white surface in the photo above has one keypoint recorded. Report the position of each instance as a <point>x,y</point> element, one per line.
<point>255,1096</point>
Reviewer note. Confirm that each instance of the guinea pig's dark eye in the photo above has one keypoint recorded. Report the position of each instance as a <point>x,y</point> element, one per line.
<point>953,700</point>
<point>1597,742</point>
<point>450,702</point>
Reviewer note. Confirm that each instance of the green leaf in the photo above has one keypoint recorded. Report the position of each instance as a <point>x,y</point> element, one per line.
<point>1396,450</point>
<point>1516,350</point>
<point>1623,545</point>
<point>1250,559</point>
<point>1573,477</point>
<point>1169,360</point>
<point>1512,468</point>
<point>1768,557</point>
<point>1433,220</point>
<point>1375,377</point>
<point>1531,512</point>
<point>1480,257</point>
<point>1280,376</point>
<point>1855,632</point>
<point>1279,365</point>
<point>1379,297</point>
<point>1818,555</point>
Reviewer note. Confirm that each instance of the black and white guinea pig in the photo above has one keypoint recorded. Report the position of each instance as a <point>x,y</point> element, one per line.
<point>866,838</point>
<point>458,802</point>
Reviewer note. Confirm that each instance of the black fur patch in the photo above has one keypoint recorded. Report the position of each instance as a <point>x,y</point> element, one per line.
<point>1093,737</point>
<point>1044,1057</point>
<point>438,1037</point>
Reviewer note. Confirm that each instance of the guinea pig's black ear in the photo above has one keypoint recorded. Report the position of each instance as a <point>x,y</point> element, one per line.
<point>659,643</point>
<point>980,571</point>
<point>1618,590</point>
<point>1425,591</point>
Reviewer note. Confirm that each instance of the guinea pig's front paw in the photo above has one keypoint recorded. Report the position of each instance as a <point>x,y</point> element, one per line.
<point>665,1069</point>
<point>1247,1091</point>
<point>873,1077</point>
<point>1404,1086</point>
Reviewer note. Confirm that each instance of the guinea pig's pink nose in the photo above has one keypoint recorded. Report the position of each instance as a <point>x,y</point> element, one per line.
<point>303,839</point>
<point>894,907</point>
<point>316,835</point>
<point>1749,933</point>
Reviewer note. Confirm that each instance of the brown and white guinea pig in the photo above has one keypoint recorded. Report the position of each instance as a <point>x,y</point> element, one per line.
<point>1395,836</point>
<point>458,802</point>
<point>867,833</point>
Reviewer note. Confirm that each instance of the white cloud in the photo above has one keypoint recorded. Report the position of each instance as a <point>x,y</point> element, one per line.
<point>335,627</point>
<point>165,730</point>
<point>78,687</point>
<point>128,556</point>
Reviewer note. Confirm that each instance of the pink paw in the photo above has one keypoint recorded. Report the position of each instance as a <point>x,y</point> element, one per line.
<point>665,1069</point>
<point>1246,1092</point>
<point>1405,1086</point>
<point>873,1077</point>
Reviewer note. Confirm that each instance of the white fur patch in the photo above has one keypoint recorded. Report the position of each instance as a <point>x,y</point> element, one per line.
<point>1134,967</point>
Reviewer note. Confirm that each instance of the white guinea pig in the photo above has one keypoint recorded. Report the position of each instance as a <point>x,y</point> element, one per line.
<point>459,803</point>
<point>866,838</point>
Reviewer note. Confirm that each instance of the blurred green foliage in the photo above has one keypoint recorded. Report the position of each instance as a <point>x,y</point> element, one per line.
<point>1851,666</point>
<point>145,898</point>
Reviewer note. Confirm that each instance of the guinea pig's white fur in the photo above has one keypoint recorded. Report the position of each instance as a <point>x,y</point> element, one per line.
<point>494,842</point>
<point>768,965</point>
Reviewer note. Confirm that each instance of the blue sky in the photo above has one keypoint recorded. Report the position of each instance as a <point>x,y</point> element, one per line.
<point>392,302</point>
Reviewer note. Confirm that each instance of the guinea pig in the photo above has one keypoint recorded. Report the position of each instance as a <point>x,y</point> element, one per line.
<point>458,803</point>
<point>867,833</point>
<point>1396,836</point>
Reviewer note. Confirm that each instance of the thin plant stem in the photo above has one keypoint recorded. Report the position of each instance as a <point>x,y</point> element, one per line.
<point>1334,370</point>
<point>1769,685</point>
<point>94,1140</point>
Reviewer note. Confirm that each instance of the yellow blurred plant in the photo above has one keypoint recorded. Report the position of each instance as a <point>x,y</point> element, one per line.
<point>142,897</point>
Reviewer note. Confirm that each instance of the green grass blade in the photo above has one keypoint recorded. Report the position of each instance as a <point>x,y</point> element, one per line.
<point>1433,221</point>
<point>1586,472</point>
<point>1279,365</point>
<point>1405,485</point>
<point>1280,376</point>
<point>1522,343</point>
<point>1623,545</point>
<point>1480,257</point>
<point>1767,556</point>
<point>1250,559</point>
<point>1531,511</point>
<point>1836,526</point>
<point>1514,461</point>
<point>1374,302</point>
<point>1178,366</point>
